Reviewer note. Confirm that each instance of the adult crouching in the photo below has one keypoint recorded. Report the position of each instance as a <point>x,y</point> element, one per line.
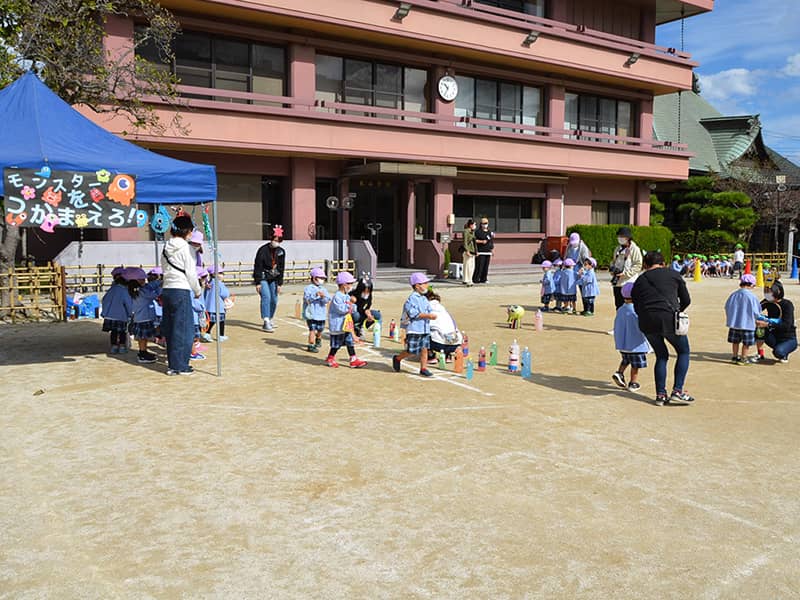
<point>658,294</point>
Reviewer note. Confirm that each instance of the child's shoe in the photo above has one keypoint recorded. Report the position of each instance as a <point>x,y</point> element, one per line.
<point>223,338</point>
<point>357,363</point>
<point>633,386</point>
<point>206,337</point>
<point>734,360</point>
<point>146,357</point>
<point>114,349</point>
<point>755,359</point>
<point>318,342</point>
<point>312,348</point>
<point>123,349</point>
<point>619,379</point>
<point>396,364</point>
<point>197,356</point>
<point>425,373</point>
<point>331,362</point>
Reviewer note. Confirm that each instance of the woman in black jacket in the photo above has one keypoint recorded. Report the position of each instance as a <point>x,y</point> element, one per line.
<point>268,269</point>
<point>657,294</point>
<point>782,334</point>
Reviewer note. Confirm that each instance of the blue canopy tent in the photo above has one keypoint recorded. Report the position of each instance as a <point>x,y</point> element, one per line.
<point>38,128</point>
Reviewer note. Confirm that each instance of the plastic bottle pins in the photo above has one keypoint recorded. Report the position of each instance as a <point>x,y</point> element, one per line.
<point>298,308</point>
<point>493,354</point>
<point>482,359</point>
<point>458,361</point>
<point>442,364</point>
<point>539,320</point>
<point>513,357</point>
<point>465,346</point>
<point>526,363</point>
<point>470,370</point>
<point>393,331</point>
<point>376,335</point>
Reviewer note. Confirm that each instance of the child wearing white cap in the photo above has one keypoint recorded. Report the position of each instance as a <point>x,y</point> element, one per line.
<point>341,307</point>
<point>315,302</point>
<point>742,309</point>
<point>417,314</point>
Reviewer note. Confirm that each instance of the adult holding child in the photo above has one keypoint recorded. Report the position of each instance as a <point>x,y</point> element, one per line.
<point>657,295</point>
<point>178,264</point>
<point>268,270</point>
<point>626,264</point>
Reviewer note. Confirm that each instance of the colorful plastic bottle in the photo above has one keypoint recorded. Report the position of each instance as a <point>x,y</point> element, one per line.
<point>298,309</point>
<point>513,357</point>
<point>482,359</point>
<point>393,330</point>
<point>525,361</point>
<point>376,335</point>
<point>539,320</point>
<point>442,364</point>
<point>493,354</point>
<point>470,370</point>
<point>465,345</point>
<point>458,361</point>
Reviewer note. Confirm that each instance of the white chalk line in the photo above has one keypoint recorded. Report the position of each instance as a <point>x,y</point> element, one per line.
<point>451,378</point>
<point>409,409</point>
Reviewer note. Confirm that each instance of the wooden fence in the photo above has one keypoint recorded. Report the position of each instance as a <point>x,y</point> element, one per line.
<point>775,260</point>
<point>34,293</point>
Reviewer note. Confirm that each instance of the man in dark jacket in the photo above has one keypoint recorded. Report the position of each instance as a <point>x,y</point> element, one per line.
<point>268,269</point>
<point>484,242</point>
<point>657,295</point>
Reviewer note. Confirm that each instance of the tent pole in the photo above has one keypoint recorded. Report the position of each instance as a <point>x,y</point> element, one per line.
<point>216,288</point>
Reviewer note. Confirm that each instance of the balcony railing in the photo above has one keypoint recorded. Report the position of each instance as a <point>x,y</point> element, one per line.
<point>322,110</point>
<point>528,23</point>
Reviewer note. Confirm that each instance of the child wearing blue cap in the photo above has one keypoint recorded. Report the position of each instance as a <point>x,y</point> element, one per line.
<point>742,309</point>
<point>630,341</point>
<point>417,314</point>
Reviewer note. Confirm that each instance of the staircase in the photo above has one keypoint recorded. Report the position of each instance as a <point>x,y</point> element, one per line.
<point>389,273</point>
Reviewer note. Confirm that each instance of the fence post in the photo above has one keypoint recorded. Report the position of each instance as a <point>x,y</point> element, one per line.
<point>62,309</point>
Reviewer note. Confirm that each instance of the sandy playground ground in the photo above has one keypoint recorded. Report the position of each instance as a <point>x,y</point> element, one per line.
<point>287,479</point>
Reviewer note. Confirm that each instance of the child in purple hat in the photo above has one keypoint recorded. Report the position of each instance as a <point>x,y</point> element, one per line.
<point>548,285</point>
<point>568,284</point>
<point>200,316</point>
<point>341,327</point>
<point>558,265</point>
<point>117,307</point>
<point>741,311</point>
<point>315,303</point>
<point>143,323</point>
<point>214,281</point>
<point>417,314</point>
<point>587,281</point>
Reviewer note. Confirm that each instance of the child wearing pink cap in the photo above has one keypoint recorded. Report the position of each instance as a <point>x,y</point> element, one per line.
<point>742,309</point>
<point>417,314</point>
<point>341,307</point>
<point>315,303</point>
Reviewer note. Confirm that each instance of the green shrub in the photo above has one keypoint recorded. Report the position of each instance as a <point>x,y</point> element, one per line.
<point>602,240</point>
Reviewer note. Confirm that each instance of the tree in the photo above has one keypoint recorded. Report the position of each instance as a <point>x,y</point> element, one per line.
<point>656,210</point>
<point>711,221</point>
<point>64,43</point>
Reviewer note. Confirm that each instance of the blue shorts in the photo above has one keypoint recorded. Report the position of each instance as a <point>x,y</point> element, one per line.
<point>314,325</point>
<point>415,342</point>
<point>742,336</point>
<point>637,360</point>
<point>341,339</point>
<point>568,297</point>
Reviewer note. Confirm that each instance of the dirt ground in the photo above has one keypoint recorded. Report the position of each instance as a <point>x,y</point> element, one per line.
<point>287,479</point>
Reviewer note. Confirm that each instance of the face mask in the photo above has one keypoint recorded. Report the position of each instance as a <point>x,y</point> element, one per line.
<point>485,225</point>
<point>574,244</point>
<point>622,241</point>
<point>365,296</point>
<point>274,244</point>
<point>318,281</point>
<point>769,297</point>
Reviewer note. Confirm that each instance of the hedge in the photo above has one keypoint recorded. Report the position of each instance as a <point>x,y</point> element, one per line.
<point>602,240</point>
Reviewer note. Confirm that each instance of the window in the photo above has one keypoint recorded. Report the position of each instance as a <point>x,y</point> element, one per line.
<point>506,215</point>
<point>610,213</point>
<point>498,101</point>
<point>596,114</point>
<point>529,7</point>
<point>371,84</point>
<point>208,61</point>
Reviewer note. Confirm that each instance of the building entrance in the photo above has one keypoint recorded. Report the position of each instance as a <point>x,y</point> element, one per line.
<point>374,216</point>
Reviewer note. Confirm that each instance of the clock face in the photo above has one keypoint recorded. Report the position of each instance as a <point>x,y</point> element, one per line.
<point>448,88</point>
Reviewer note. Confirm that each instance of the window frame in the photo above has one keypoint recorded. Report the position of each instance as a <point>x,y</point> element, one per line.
<point>500,108</point>
<point>607,206</point>
<point>534,203</point>
<point>596,123</point>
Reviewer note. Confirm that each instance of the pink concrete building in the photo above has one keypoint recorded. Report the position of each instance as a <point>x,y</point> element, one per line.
<point>535,113</point>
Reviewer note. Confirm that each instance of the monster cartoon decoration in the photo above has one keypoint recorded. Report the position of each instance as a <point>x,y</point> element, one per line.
<point>141,218</point>
<point>103,176</point>
<point>515,314</point>
<point>96,195</point>
<point>44,172</point>
<point>161,221</point>
<point>81,220</point>
<point>16,220</point>
<point>277,231</point>
<point>122,189</point>
<point>49,223</point>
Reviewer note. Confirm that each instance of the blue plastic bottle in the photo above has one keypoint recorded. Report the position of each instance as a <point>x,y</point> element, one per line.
<point>470,369</point>
<point>526,363</point>
<point>376,335</point>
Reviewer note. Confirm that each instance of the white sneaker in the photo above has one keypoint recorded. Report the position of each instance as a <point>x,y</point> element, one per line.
<point>268,326</point>
<point>222,338</point>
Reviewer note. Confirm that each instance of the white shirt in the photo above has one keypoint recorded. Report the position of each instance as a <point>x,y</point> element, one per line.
<point>738,256</point>
<point>180,271</point>
<point>443,327</point>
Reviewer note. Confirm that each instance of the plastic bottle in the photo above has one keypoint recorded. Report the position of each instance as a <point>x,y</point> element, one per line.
<point>539,319</point>
<point>442,364</point>
<point>493,354</point>
<point>458,361</point>
<point>465,345</point>
<point>513,357</point>
<point>525,361</point>
<point>376,335</point>
<point>470,369</point>
<point>297,309</point>
<point>393,330</point>
<point>482,359</point>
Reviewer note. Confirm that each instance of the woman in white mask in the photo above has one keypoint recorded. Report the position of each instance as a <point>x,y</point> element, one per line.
<point>268,277</point>
<point>626,264</point>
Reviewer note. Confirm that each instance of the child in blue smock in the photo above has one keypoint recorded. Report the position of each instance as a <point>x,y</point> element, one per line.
<point>548,285</point>
<point>341,328</point>
<point>630,342</point>
<point>588,284</point>
<point>144,315</point>
<point>741,311</point>
<point>117,308</point>
<point>315,303</point>
<point>417,314</point>
<point>568,284</point>
<point>199,315</point>
<point>214,281</point>
<point>557,269</point>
